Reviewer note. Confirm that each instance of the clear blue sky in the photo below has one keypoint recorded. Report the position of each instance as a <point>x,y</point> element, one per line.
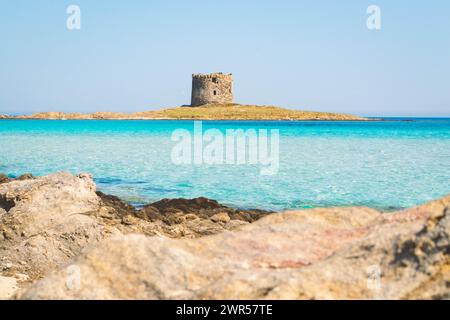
<point>139,55</point>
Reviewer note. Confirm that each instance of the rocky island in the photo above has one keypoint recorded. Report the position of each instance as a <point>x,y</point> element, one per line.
<point>211,99</point>
<point>204,112</point>
<point>60,238</point>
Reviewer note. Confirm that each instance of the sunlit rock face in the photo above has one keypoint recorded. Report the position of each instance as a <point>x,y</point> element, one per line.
<point>45,222</point>
<point>335,253</point>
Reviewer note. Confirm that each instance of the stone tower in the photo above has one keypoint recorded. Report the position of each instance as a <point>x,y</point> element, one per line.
<point>212,88</point>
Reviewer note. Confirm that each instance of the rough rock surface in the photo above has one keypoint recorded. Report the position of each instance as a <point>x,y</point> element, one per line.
<point>179,218</point>
<point>25,176</point>
<point>197,217</point>
<point>4,178</point>
<point>46,221</point>
<point>73,242</point>
<point>345,253</point>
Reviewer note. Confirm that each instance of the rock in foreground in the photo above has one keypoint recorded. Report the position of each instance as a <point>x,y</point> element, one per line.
<point>336,253</point>
<point>72,242</point>
<point>45,222</point>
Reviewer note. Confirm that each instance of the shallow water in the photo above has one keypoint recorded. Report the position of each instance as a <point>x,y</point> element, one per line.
<point>385,165</point>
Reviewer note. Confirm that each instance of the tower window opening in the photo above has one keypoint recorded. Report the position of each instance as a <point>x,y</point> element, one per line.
<point>215,92</point>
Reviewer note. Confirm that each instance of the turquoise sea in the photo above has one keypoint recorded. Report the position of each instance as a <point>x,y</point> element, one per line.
<point>382,164</point>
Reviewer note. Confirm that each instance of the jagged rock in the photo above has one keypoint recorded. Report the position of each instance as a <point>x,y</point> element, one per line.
<point>179,218</point>
<point>405,255</point>
<point>336,253</point>
<point>4,178</point>
<point>25,176</point>
<point>122,208</point>
<point>171,211</point>
<point>220,217</point>
<point>59,222</point>
<point>46,221</point>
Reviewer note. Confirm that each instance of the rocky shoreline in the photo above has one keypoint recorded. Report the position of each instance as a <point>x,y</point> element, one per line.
<point>205,112</point>
<point>60,238</point>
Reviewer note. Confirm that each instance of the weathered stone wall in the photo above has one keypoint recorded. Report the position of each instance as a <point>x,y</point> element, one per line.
<point>212,88</point>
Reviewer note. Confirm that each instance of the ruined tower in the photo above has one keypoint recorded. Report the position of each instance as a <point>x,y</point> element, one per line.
<point>212,88</point>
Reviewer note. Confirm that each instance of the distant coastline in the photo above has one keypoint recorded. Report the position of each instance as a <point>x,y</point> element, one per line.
<point>206,112</point>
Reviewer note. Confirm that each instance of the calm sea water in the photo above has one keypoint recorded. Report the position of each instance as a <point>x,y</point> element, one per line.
<point>385,165</point>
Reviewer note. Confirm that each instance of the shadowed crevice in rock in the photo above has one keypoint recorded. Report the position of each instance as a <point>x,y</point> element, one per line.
<point>6,203</point>
<point>427,246</point>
